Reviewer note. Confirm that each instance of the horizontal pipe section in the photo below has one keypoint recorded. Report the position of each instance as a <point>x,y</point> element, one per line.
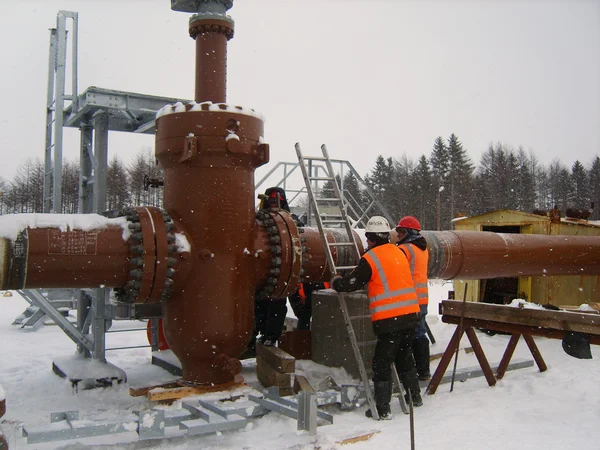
<point>469,255</point>
<point>315,260</point>
<point>51,258</point>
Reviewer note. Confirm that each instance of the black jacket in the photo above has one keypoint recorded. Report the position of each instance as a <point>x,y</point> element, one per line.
<point>358,279</point>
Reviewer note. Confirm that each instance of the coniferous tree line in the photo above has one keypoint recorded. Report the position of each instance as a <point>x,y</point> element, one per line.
<point>435,188</point>
<point>447,184</point>
<point>124,186</point>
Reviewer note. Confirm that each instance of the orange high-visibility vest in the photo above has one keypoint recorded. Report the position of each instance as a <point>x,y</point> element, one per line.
<point>391,289</point>
<point>301,292</point>
<point>418,260</point>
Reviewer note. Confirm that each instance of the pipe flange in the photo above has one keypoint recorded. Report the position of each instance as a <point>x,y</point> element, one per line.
<point>151,256</point>
<point>130,291</point>
<point>286,253</point>
<point>211,23</point>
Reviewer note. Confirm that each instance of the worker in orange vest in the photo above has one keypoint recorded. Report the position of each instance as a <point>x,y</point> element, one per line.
<point>414,247</point>
<point>394,309</point>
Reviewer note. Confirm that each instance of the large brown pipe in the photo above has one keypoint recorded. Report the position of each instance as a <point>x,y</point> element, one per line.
<point>478,255</point>
<point>209,157</point>
<point>211,32</point>
<point>51,258</point>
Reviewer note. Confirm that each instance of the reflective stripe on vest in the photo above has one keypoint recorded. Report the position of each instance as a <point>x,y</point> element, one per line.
<point>418,262</point>
<point>390,289</point>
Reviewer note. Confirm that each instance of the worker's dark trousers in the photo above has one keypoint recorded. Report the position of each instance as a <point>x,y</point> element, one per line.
<point>395,347</point>
<point>302,310</point>
<point>269,316</point>
<point>420,346</point>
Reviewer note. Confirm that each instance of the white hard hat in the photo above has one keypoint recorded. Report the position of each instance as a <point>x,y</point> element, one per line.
<point>377,224</point>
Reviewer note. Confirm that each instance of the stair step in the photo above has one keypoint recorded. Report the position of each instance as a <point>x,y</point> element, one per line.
<point>345,268</point>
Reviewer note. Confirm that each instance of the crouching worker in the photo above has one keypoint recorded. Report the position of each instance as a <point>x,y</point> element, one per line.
<point>394,309</point>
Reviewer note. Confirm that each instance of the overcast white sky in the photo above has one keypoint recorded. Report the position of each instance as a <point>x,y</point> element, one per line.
<point>365,77</point>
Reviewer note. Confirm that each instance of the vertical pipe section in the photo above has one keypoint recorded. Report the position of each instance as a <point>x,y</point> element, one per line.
<point>211,32</point>
<point>209,159</point>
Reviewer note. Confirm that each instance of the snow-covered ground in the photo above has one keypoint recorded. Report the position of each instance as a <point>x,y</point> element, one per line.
<point>557,409</point>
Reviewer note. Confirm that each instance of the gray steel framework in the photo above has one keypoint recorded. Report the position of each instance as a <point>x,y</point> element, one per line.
<point>283,172</point>
<point>56,103</point>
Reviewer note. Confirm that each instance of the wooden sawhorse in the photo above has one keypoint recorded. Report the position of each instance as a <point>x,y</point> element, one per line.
<point>517,322</point>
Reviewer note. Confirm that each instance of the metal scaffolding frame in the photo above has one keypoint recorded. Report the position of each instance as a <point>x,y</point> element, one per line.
<point>358,214</point>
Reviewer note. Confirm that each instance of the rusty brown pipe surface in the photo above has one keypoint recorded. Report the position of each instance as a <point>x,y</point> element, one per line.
<point>209,155</point>
<point>51,258</point>
<point>211,34</point>
<point>471,255</point>
<point>480,254</point>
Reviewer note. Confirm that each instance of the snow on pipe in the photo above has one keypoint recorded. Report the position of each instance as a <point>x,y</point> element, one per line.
<point>134,253</point>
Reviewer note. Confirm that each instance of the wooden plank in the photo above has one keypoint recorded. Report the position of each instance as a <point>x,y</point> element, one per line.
<point>140,391</point>
<point>596,309</point>
<point>359,438</point>
<point>511,328</point>
<point>435,356</point>
<point>483,362</point>
<point>555,320</point>
<point>510,349</point>
<point>159,394</point>
<point>270,376</point>
<point>174,393</point>
<point>446,358</point>
<point>302,384</point>
<point>276,358</point>
<point>537,355</point>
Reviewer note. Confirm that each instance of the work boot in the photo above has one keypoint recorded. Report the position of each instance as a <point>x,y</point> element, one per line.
<point>383,411</point>
<point>417,400</point>
<point>420,348</point>
<point>411,385</point>
<point>383,395</point>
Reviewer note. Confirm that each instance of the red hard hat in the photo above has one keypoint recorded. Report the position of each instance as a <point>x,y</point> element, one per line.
<point>409,222</point>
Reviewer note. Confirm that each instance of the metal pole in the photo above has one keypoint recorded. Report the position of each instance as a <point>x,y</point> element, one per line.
<point>75,99</point>
<point>86,186</point>
<point>83,324</point>
<point>50,113</point>
<point>59,111</point>
<point>99,323</point>
<point>101,161</point>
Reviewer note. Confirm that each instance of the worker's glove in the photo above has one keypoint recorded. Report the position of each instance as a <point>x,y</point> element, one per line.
<point>335,281</point>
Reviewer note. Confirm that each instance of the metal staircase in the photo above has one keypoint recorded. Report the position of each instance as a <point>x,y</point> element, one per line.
<point>339,220</point>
